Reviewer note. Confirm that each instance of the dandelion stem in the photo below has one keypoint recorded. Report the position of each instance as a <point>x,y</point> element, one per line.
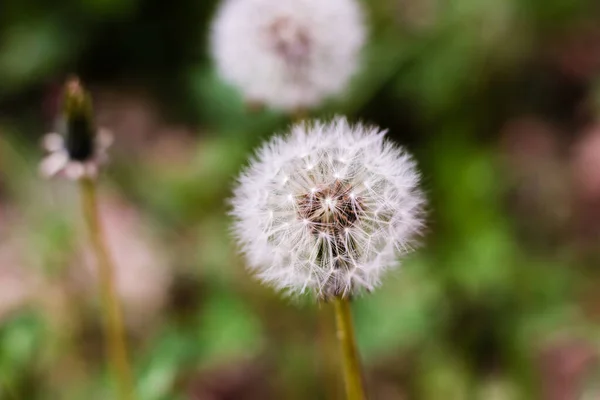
<point>114,331</point>
<point>350,358</point>
<point>299,115</point>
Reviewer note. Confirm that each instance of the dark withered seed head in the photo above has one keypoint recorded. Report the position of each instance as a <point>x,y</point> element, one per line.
<point>80,129</point>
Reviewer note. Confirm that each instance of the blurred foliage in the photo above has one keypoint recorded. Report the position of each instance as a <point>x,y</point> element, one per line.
<point>467,317</point>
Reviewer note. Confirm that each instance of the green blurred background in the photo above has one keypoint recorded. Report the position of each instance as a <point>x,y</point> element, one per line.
<point>497,99</point>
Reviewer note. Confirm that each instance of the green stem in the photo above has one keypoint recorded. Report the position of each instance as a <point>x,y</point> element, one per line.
<point>114,330</point>
<point>350,358</point>
<point>299,115</point>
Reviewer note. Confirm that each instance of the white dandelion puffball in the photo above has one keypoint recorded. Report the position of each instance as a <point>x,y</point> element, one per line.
<point>327,208</point>
<point>288,54</point>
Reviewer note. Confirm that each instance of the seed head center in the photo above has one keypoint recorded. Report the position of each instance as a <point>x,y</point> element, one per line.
<point>290,41</point>
<point>330,209</point>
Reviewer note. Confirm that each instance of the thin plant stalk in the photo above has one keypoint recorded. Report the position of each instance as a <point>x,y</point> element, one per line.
<point>299,115</point>
<point>114,331</point>
<point>326,352</point>
<point>350,359</point>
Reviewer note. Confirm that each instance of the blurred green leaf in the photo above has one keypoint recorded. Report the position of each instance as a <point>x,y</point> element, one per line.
<point>228,329</point>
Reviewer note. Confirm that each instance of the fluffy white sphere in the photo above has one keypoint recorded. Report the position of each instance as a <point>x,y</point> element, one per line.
<point>328,208</point>
<point>288,54</point>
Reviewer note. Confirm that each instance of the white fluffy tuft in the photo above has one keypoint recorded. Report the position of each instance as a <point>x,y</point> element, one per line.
<point>327,208</point>
<point>288,54</point>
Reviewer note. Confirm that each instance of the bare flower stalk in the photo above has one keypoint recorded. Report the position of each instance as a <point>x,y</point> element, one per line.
<point>76,152</point>
<point>114,331</point>
<point>299,115</point>
<point>353,379</point>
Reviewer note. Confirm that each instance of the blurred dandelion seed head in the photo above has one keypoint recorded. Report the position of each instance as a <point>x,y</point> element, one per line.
<point>327,208</point>
<point>288,54</point>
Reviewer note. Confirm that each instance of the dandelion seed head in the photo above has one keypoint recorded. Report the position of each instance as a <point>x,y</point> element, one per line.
<point>338,234</point>
<point>288,54</point>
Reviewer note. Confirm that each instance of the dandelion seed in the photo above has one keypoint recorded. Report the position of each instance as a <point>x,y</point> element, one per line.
<point>288,54</point>
<point>335,236</point>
